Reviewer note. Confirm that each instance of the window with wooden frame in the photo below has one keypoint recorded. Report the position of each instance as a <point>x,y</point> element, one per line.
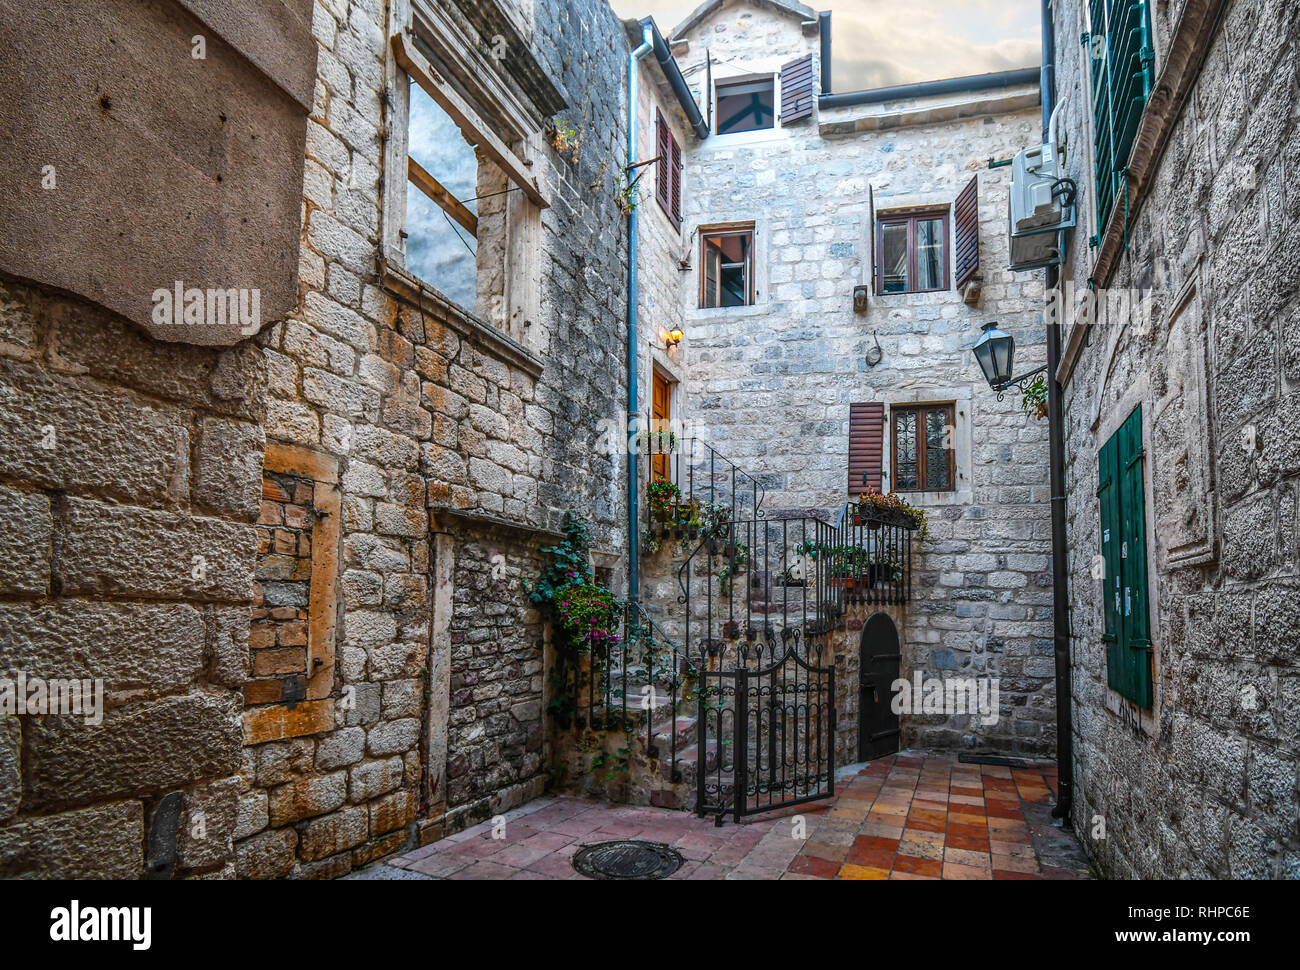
<point>727,261</point>
<point>923,456</point>
<point>462,140</point>
<point>668,171</point>
<point>912,252</point>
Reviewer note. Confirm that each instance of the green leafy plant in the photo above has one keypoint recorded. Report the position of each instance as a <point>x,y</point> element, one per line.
<point>1035,398</point>
<point>661,497</point>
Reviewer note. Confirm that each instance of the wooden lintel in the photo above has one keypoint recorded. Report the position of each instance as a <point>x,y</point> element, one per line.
<point>423,73</point>
<point>435,190</point>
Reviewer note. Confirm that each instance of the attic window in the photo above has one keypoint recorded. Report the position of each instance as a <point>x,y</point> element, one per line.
<point>746,104</point>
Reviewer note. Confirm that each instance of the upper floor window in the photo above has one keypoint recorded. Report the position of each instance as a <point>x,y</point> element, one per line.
<point>923,451</point>
<point>1120,63</point>
<point>728,261</point>
<point>912,252</point>
<point>745,103</point>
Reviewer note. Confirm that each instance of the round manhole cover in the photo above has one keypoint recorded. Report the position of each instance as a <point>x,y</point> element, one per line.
<point>627,859</point>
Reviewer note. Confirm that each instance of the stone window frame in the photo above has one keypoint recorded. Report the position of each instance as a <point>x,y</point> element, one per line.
<point>962,399</point>
<point>494,112</point>
<point>1106,424</point>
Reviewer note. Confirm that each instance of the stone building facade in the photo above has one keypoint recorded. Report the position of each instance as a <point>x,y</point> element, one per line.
<point>296,562</point>
<point>1194,337</point>
<point>295,558</point>
<point>771,384</point>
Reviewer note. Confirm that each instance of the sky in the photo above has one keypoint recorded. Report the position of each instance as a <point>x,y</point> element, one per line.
<point>876,43</point>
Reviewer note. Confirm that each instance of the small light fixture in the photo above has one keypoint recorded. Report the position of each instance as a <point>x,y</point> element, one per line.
<point>674,337</point>
<point>996,353</point>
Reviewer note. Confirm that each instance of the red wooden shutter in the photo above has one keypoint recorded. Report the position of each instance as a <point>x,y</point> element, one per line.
<point>797,90</point>
<point>866,446</point>
<point>676,210</point>
<point>663,176</point>
<point>966,215</point>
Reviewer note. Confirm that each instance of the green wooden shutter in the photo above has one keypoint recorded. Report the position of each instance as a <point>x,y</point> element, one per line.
<point>1121,493</point>
<point>1133,553</point>
<point>1108,491</point>
<point>1120,69</point>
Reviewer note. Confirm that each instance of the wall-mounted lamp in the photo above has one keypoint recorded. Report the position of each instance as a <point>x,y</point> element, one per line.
<point>860,298</point>
<point>996,353</point>
<point>673,337</point>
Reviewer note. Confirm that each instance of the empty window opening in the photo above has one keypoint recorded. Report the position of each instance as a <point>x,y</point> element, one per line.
<point>746,104</point>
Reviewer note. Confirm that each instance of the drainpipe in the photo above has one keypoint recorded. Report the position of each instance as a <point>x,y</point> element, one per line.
<point>1056,458</point>
<point>633,408</point>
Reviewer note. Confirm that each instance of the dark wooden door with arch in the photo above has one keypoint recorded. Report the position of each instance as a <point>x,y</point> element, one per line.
<point>879,662</point>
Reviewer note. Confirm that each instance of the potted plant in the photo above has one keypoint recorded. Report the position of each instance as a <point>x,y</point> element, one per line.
<point>661,497</point>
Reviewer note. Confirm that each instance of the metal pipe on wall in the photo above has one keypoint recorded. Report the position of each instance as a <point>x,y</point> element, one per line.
<point>633,405</point>
<point>1056,461</point>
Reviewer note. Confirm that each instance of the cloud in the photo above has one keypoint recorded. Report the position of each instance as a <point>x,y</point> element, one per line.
<point>878,43</point>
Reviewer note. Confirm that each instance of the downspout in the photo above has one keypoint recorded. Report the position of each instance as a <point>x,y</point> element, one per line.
<point>1056,459</point>
<point>633,407</point>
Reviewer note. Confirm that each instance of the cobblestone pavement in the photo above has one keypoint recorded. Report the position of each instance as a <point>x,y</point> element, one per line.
<point>914,815</point>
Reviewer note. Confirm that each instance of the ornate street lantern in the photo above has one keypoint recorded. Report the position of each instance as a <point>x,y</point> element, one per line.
<point>996,353</point>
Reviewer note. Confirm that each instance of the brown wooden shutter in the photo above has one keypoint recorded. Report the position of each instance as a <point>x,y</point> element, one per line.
<point>966,216</point>
<point>663,173</point>
<point>797,90</point>
<point>676,210</point>
<point>866,446</point>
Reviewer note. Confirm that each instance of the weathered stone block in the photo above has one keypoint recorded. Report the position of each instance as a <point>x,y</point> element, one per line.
<point>393,737</point>
<point>328,836</point>
<point>130,646</point>
<point>209,825</point>
<point>266,856</point>
<point>111,549</point>
<point>345,746</point>
<point>24,542</point>
<point>148,746</point>
<point>230,467</point>
<point>103,842</point>
<point>133,451</point>
<point>308,797</point>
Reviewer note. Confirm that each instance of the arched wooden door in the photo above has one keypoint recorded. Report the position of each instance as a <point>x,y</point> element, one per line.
<point>879,664</point>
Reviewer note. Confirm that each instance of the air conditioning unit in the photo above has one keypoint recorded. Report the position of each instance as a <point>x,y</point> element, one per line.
<point>1039,206</point>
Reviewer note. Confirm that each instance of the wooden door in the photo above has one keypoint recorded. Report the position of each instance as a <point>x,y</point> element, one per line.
<point>660,420</point>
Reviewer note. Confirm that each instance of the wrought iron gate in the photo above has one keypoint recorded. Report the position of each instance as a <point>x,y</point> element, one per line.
<point>770,719</point>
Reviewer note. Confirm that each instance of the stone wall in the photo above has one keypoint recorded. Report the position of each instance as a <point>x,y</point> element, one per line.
<point>770,385</point>
<point>1203,785</point>
<point>130,474</point>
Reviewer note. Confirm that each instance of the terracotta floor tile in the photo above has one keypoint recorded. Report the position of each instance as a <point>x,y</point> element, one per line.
<point>925,825</point>
<point>874,858</point>
<point>875,842</point>
<point>920,866</point>
<point>922,850</point>
<point>952,870</point>
<point>1004,874</point>
<point>862,872</point>
<point>966,857</point>
<point>814,866</point>
<point>1015,863</point>
<point>967,842</point>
